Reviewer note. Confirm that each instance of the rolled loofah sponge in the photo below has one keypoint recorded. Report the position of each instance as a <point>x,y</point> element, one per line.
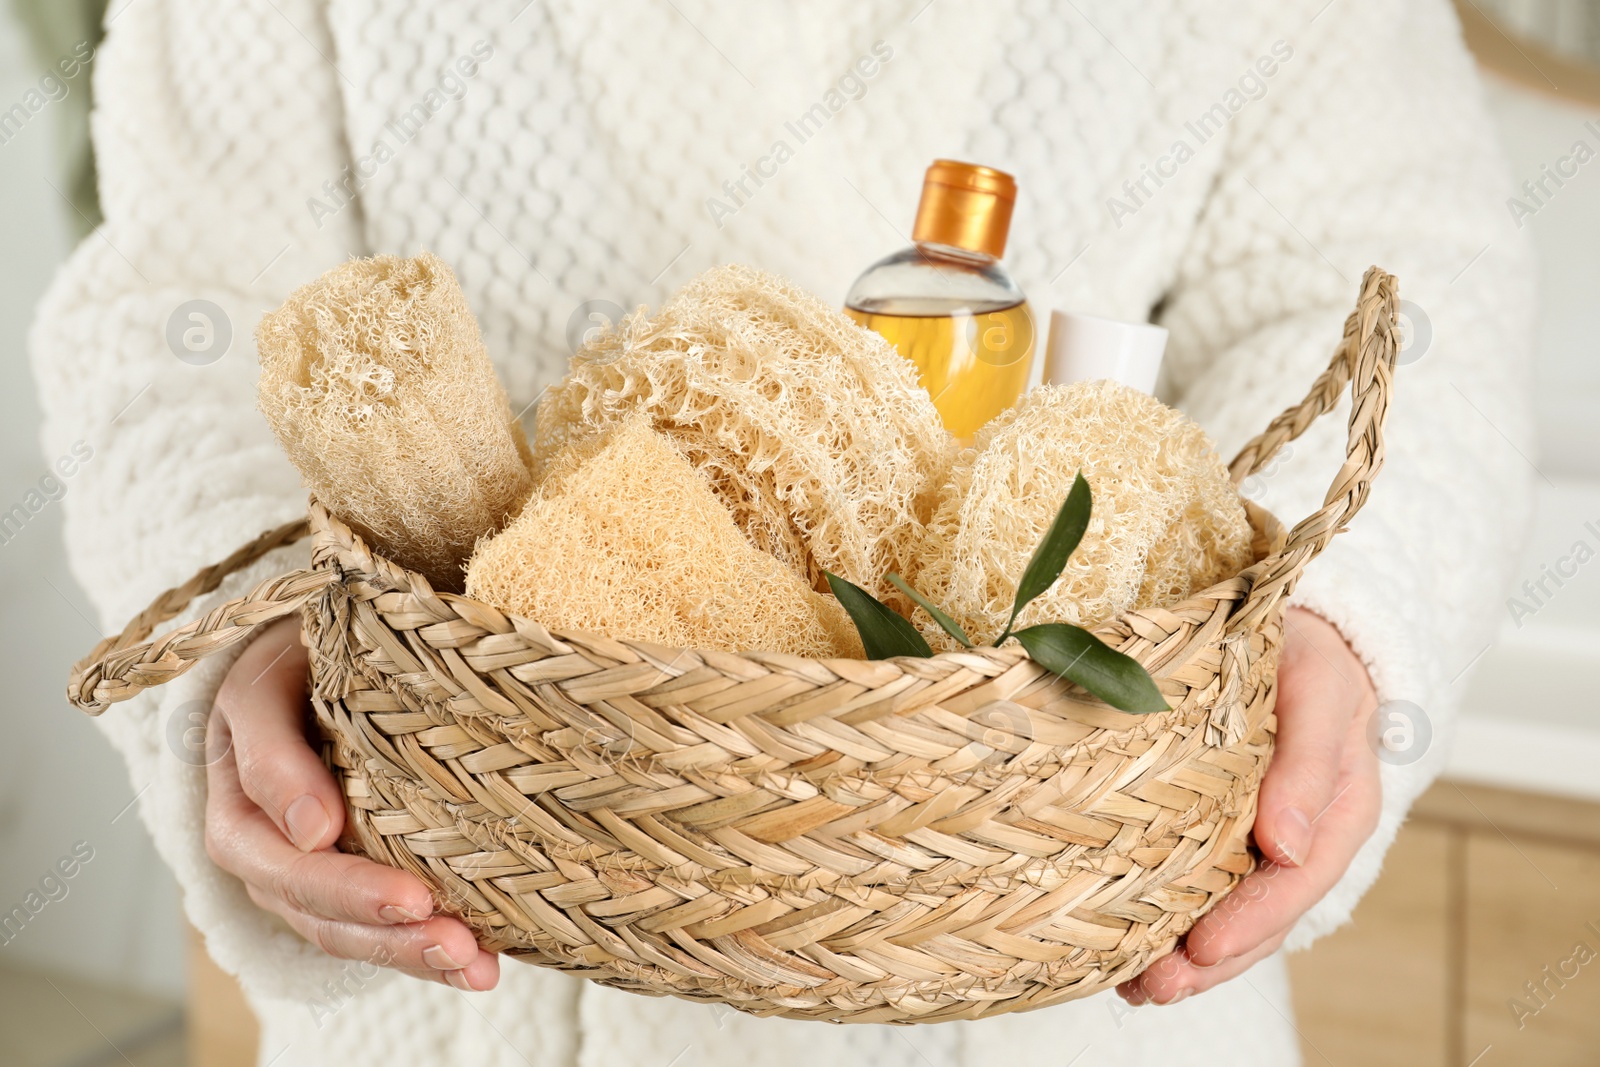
<point>630,541</point>
<point>376,382</point>
<point>811,429</point>
<point>1166,520</point>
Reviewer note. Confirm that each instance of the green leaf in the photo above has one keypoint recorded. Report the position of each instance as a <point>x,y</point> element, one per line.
<point>884,633</point>
<point>1082,658</point>
<point>1050,558</point>
<point>950,625</point>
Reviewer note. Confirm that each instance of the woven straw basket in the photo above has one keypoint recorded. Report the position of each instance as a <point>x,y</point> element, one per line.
<point>908,840</point>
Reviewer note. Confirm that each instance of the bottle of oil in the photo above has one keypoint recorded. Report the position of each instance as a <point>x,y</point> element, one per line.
<point>946,302</point>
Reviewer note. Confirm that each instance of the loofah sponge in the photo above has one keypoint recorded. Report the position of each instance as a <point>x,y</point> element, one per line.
<point>630,541</point>
<point>811,429</point>
<point>376,382</point>
<point>1166,520</point>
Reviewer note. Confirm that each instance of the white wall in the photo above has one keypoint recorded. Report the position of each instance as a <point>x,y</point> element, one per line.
<point>60,782</point>
<point>1537,132</point>
<point>1531,719</point>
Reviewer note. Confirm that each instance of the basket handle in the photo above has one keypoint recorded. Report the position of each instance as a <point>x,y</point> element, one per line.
<point>123,666</point>
<point>1364,360</point>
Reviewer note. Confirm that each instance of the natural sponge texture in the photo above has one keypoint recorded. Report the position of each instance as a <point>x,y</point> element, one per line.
<point>1166,520</point>
<point>630,541</point>
<point>376,382</point>
<point>811,429</point>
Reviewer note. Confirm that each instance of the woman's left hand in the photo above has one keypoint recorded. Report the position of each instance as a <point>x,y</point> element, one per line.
<point>1319,803</point>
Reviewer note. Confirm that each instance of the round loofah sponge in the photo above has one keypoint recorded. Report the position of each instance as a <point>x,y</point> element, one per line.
<point>376,382</point>
<point>1166,520</point>
<point>811,429</point>
<point>630,541</point>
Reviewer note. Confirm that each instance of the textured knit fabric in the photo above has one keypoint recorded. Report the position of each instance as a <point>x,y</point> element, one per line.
<point>1229,172</point>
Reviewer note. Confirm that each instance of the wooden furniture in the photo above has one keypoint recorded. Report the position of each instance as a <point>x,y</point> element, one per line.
<point>1479,944</point>
<point>222,1028</point>
<point>1527,62</point>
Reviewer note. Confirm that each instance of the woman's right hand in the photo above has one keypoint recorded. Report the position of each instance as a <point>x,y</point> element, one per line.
<point>273,813</point>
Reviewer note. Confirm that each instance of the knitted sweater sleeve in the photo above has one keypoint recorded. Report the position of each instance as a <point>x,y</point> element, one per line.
<point>215,124</point>
<point>1372,146</point>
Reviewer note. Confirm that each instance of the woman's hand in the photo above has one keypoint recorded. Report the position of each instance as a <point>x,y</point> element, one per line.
<point>1319,803</point>
<point>273,813</point>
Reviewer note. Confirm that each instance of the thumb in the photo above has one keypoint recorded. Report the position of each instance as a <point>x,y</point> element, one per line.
<point>263,702</point>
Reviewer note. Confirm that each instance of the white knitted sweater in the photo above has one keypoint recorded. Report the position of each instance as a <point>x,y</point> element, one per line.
<point>1231,171</point>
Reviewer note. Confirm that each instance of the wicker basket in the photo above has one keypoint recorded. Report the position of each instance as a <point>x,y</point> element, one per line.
<point>909,840</point>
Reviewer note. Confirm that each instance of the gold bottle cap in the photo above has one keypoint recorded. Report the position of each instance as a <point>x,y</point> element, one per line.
<point>965,206</point>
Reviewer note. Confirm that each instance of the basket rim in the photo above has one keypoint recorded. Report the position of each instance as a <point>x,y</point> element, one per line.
<point>1269,535</point>
<point>335,538</point>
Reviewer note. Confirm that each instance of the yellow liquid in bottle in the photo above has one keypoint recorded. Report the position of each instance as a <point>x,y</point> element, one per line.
<point>973,365</point>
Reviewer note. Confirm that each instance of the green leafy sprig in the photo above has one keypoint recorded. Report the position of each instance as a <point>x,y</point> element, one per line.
<point>1070,651</point>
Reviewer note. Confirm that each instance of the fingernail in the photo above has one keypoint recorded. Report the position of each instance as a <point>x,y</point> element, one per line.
<point>1218,962</point>
<point>459,980</point>
<point>1138,997</point>
<point>307,821</point>
<point>394,913</point>
<point>1294,836</point>
<point>1182,993</point>
<point>436,957</point>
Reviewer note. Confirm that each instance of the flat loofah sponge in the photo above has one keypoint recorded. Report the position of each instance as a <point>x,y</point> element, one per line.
<point>630,541</point>
<point>376,381</point>
<point>811,429</point>
<point>1166,520</point>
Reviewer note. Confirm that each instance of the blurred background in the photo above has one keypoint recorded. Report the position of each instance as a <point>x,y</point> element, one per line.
<point>1478,946</point>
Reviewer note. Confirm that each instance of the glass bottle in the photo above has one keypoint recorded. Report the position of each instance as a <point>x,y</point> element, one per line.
<point>947,304</point>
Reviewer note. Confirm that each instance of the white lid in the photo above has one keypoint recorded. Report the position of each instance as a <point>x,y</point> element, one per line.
<point>1087,347</point>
